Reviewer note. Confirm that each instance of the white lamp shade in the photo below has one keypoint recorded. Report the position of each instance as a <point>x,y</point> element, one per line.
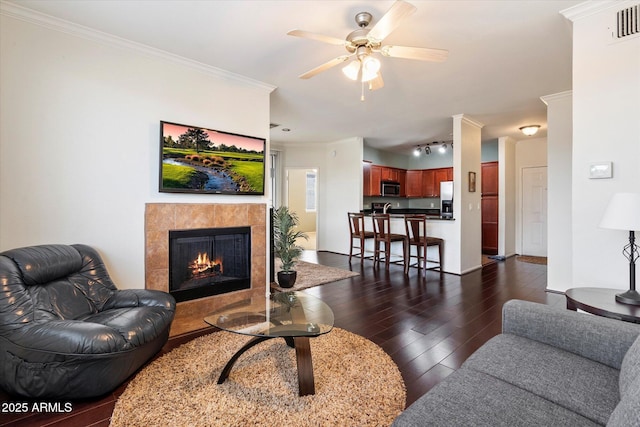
<point>623,212</point>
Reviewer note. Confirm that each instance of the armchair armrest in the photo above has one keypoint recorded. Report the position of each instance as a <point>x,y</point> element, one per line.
<point>67,337</point>
<point>140,298</point>
<point>597,338</point>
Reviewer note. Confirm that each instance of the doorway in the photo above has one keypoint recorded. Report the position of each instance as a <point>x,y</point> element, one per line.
<point>534,211</point>
<point>302,199</point>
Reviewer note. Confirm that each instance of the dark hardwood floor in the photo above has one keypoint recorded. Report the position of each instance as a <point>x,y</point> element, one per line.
<point>429,325</point>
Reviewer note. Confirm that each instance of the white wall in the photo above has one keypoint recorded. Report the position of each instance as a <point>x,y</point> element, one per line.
<point>606,127</point>
<point>507,196</point>
<point>466,205</point>
<point>339,167</point>
<point>79,136</point>
<point>559,136</point>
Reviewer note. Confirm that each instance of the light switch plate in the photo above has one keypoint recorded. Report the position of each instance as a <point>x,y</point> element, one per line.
<point>599,170</point>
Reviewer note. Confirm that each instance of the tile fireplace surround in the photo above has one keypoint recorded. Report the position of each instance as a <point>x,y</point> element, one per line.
<point>162,217</point>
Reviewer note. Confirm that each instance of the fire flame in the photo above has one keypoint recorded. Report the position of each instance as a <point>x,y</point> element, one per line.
<point>203,264</point>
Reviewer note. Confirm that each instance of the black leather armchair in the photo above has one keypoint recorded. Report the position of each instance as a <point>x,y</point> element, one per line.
<point>66,331</point>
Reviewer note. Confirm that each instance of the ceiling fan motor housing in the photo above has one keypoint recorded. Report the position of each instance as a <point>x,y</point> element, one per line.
<point>363,19</point>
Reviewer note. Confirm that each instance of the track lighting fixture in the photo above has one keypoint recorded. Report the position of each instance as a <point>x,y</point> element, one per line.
<point>427,147</point>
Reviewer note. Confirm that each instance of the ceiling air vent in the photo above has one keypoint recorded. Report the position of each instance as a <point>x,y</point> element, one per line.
<point>627,22</point>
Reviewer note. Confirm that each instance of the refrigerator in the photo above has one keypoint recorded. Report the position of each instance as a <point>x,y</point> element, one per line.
<point>446,199</point>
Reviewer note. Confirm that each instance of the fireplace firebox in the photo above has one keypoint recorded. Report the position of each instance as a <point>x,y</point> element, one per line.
<point>209,261</point>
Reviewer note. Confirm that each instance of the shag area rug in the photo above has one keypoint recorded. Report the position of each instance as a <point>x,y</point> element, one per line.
<point>310,275</point>
<point>357,384</point>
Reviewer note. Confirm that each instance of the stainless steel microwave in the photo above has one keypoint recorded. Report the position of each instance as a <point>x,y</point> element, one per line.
<point>390,189</point>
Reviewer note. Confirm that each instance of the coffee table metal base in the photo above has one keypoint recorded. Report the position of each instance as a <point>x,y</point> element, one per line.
<point>306,382</point>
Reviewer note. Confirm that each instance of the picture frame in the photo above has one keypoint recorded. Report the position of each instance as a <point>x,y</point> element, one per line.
<point>472,182</point>
<point>195,159</point>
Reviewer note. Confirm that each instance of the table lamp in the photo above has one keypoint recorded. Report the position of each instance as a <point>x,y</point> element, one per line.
<point>623,213</point>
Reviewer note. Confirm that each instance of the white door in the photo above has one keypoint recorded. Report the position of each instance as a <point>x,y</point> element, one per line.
<point>534,211</point>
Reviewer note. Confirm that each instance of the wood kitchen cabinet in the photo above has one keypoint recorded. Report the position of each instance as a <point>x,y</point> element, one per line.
<point>402,179</point>
<point>390,174</point>
<point>414,183</point>
<point>432,179</point>
<point>489,204</point>
<point>371,179</point>
<point>426,182</point>
<point>429,183</point>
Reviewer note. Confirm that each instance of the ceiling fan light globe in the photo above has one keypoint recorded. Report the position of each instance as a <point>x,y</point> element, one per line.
<point>371,65</point>
<point>351,70</point>
<point>367,76</point>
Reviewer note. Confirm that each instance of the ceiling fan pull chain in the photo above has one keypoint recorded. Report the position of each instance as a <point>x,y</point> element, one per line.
<point>362,92</point>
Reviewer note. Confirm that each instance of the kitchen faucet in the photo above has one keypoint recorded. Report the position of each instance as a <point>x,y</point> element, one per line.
<point>386,206</point>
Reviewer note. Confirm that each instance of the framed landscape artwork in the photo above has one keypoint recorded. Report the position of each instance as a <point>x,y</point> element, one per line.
<point>199,160</point>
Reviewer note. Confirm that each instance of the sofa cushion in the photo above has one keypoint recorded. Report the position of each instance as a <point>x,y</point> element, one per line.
<point>471,398</point>
<point>573,382</point>
<point>630,368</point>
<point>627,413</point>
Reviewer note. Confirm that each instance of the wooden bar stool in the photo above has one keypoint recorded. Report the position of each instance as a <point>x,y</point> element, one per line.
<point>416,227</point>
<point>382,234</point>
<point>358,235</point>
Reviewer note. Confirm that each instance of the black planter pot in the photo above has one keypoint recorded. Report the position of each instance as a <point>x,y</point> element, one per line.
<point>286,279</point>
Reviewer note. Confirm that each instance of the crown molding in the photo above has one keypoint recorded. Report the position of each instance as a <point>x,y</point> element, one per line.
<point>589,8</point>
<point>466,119</point>
<point>15,11</point>
<point>556,96</point>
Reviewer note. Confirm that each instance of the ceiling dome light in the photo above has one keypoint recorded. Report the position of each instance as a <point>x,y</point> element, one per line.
<point>530,130</point>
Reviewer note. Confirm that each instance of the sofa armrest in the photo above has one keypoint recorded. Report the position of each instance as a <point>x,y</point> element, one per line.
<point>140,298</point>
<point>597,338</point>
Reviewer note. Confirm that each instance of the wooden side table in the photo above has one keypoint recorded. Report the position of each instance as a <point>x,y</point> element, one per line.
<point>602,302</point>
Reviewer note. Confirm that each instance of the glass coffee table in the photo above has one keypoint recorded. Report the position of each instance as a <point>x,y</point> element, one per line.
<point>293,316</point>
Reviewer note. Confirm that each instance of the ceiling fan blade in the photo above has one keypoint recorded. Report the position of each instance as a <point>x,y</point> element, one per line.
<point>376,83</point>
<point>318,37</point>
<point>325,66</point>
<point>421,53</point>
<point>390,21</point>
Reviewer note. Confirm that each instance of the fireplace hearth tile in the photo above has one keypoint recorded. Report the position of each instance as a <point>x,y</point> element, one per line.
<point>162,217</point>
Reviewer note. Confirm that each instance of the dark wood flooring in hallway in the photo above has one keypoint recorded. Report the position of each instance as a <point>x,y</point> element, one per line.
<point>428,324</point>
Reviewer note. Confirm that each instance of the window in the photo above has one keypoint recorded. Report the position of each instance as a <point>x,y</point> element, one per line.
<point>310,203</point>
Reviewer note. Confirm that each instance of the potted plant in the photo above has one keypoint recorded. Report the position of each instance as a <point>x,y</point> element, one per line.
<point>284,244</point>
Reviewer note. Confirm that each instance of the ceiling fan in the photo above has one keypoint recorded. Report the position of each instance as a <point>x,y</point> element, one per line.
<point>364,42</point>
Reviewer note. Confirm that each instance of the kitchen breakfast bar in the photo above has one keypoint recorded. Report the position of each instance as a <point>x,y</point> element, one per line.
<point>437,226</point>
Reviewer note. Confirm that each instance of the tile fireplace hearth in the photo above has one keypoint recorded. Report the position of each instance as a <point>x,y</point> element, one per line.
<point>161,218</point>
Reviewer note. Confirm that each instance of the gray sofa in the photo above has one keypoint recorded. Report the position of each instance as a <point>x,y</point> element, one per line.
<point>549,367</point>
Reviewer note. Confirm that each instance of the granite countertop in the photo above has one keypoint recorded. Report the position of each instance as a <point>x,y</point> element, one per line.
<point>402,212</point>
